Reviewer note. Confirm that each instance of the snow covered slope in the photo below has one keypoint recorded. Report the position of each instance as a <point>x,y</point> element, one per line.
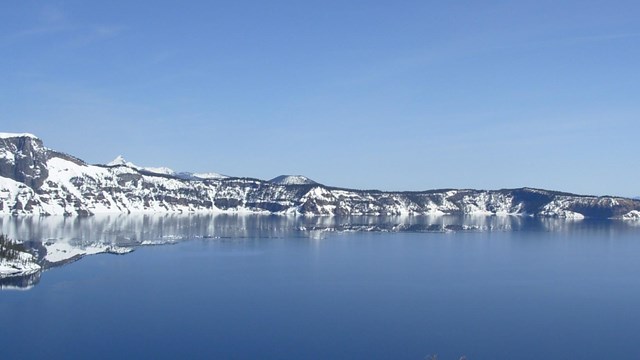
<point>207,175</point>
<point>120,161</point>
<point>23,264</point>
<point>292,180</point>
<point>37,180</point>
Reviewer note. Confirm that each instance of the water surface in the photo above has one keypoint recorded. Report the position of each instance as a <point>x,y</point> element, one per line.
<point>236,287</point>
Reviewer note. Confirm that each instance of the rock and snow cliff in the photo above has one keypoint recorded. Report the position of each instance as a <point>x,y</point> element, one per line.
<point>40,181</point>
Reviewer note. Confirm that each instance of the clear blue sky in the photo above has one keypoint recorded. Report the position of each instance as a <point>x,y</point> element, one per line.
<point>405,95</point>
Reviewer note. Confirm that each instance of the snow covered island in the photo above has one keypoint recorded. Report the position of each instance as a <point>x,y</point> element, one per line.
<point>15,260</point>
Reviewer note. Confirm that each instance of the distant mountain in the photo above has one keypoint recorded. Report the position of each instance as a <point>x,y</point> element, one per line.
<point>292,180</point>
<point>207,175</point>
<point>41,181</point>
<point>120,161</point>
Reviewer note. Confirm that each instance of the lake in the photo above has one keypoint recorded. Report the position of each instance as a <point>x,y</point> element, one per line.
<point>270,287</point>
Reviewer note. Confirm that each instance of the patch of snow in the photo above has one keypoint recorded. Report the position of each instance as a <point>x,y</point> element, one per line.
<point>9,156</point>
<point>209,175</point>
<point>572,215</point>
<point>12,192</point>
<point>292,180</point>
<point>9,186</point>
<point>60,251</point>
<point>24,265</point>
<point>157,242</point>
<point>118,250</point>
<point>563,214</point>
<point>62,171</point>
<point>16,135</point>
<point>318,193</point>
<point>120,161</point>
<point>160,170</point>
<point>632,215</point>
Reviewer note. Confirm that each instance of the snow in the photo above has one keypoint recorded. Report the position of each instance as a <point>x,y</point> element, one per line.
<point>60,251</point>
<point>160,170</point>
<point>75,188</point>
<point>9,186</point>
<point>24,265</point>
<point>157,242</point>
<point>16,135</point>
<point>292,180</point>
<point>9,156</point>
<point>571,215</point>
<point>489,204</point>
<point>318,193</point>
<point>120,161</point>
<point>632,215</point>
<point>11,192</point>
<point>563,214</point>
<point>209,175</point>
<point>61,171</point>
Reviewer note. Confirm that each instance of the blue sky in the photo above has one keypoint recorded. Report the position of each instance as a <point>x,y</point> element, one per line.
<point>391,95</point>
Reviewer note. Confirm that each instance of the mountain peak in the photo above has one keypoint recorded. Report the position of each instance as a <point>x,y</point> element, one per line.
<point>292,180</point>
<point>120,161</point>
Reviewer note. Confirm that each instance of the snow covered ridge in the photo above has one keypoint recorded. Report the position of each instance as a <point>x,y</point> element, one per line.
<point>292,180</point>
<point>16,135</point>
<point>35,180</point>
<point>120,161</point>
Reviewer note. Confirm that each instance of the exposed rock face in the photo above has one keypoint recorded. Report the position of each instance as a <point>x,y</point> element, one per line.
<point>37,180</point>
<point>24,160</point>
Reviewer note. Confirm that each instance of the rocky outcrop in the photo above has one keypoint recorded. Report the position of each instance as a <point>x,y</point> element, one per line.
<point>24,160</point>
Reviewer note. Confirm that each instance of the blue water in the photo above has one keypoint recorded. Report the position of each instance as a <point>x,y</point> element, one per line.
<point>559,291</point>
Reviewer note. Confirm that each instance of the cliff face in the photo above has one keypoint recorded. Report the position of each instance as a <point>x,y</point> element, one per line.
<point>40,181</point>
<point>23,159</point>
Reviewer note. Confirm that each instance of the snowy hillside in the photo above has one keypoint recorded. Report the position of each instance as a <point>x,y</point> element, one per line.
<point>292,180</point>
<point>120,161</point>
<point>40,181</point>
<point>207,175</point>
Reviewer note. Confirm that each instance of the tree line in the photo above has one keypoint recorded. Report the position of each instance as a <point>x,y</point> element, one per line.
<point>10,249</point>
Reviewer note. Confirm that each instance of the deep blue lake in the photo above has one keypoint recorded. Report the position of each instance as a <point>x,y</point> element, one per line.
<point>236,287</point>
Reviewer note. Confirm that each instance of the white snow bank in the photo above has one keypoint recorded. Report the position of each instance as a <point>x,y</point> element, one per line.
<point>61,250</point>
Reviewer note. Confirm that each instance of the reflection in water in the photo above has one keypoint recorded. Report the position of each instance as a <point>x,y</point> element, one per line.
<point>131,230</point>
<point>25,282</point>
<point>68,238</point>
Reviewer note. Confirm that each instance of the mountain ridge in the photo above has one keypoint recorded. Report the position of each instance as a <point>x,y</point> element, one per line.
<point>35,180</point>
<point>292,180</point>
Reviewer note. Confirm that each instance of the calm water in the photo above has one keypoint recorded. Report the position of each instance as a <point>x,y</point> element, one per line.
<point>271,288</point>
